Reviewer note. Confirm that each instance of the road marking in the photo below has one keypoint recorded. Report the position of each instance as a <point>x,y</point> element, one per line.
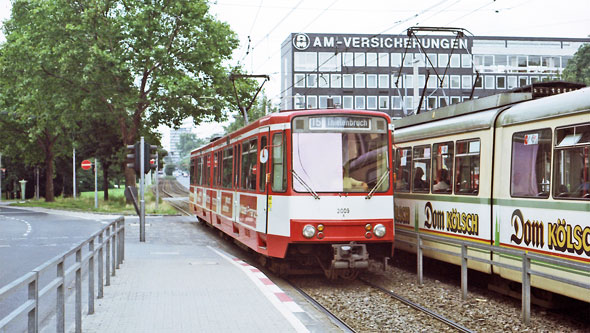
<point>29,228</point>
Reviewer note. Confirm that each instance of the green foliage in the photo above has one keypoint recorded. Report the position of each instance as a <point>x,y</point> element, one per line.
<point>169,169</point>
<point>578,68</point>
<point>188,142</point>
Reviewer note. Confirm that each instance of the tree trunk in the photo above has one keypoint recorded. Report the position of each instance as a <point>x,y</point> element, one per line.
<point>105,180</point>
<point>49,194</point>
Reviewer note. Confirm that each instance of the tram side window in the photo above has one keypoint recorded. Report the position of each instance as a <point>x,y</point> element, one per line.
<point>403,171</point>
<point>192,171</point>
<point>279,176</point>
<point>531,164</point>
<point>207,173</point>
<point>467,167</point>
<point>227,165</point>
<point>249,150</point>
<point>421,169</point>
<point>442,167</point>
<point>262,166</point>
<point>215,168</point>
<point>572,162</point>
<point>199,172</point>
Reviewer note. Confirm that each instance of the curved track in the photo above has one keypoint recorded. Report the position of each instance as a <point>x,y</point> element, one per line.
<point>174,194</point>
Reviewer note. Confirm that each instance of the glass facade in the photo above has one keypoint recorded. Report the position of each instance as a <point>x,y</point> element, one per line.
<point>376,72</point>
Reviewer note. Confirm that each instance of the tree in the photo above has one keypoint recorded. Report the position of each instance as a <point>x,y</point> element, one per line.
<point>142,63</point>
<point>578,68</point>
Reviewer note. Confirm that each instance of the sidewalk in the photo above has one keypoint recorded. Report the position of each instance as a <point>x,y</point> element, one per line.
<point>178,281</point>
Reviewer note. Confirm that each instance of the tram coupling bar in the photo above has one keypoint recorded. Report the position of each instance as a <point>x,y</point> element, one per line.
<point>350,255</point>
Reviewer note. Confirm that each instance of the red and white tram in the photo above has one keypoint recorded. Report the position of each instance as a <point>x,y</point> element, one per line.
<point>312,187</point>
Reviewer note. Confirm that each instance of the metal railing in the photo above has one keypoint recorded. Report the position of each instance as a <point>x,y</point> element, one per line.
<point>525,268</point>
<point>107,246</point>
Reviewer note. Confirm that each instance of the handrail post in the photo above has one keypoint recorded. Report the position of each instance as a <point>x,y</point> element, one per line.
<point>107,261</point>
<point>91,278</point>
<point>100,267</point>
<point>114,249</point>
<point>464,271</point>
<point>123,240</point>
<point>60,304</point>
<point>78,311</point>
<point>419,259</point>
<point>526,289</point>
<point>33,325</point>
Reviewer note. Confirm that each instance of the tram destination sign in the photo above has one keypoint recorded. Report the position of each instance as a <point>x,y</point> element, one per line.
<point>331,123</point>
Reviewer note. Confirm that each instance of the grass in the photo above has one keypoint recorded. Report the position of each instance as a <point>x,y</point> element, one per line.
<point>115,205</point>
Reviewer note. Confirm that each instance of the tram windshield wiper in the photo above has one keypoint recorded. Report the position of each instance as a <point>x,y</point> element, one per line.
<point>307,187</point>
<point>381,180</point>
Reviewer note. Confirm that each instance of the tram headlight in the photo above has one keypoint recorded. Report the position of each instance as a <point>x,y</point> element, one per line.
<point>379,230</point>
<point>308,231</point>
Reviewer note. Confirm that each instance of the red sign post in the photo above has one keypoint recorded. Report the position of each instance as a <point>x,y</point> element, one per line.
<point>86,165</point>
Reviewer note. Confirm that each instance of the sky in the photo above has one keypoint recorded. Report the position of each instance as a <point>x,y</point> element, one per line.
<point>262,25</point>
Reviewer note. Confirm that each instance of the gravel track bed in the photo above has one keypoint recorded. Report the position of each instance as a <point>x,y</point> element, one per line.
<point>368,310</point>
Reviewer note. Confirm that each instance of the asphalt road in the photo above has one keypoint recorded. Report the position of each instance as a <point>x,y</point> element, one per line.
<point>29,237</point>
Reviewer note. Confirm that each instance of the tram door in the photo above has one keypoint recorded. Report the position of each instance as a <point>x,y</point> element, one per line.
<point>264,174</point>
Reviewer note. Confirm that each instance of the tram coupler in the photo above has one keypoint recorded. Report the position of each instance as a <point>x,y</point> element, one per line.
<point>350,256</point>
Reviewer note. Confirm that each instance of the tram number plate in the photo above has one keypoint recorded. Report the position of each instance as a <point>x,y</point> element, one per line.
<point>343,210</point>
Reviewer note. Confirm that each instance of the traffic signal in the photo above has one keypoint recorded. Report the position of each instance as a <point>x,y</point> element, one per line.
<point>149,153</point>
<point>134,157</point>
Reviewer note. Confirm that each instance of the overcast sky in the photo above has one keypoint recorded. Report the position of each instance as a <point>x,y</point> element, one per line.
<point>262,25</point>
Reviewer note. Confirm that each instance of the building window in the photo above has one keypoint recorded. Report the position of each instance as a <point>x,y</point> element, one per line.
<point>347,59</point>
<point>522,61</point>
<point>534,61</point>
<point>383,81</point>
<point>372,102</point>
<point>359,80</point>
<point>323,102</point>
<point>396,81</point>
<point>408,60</point>
<point>477,60</point>
<point>445,82</point>
<point>336,81</point>
<point>421,59</point>
<point>383,59</point>
<point>489,80</point>
<point>432,82</point>
<point>455,99</point>
<point>466,81</point>
<point>299,80</point>
<point>478,82</point>
<point>523,81</point>
<point>329,62</point>
<point>359,59</point>
<point>500,82</point>
<point>337,101</point>
<point>488,60</point>
<point>359,102</point>
<point>466,60</point>
<point>347,81</point>
<point>531,164</point>
<point>443,60</point>
<point>324,80</point>
<point>432,102</point>
<point>347,102</point>
<point>534,79</point>
<point>396,102</point>
<point>305,61</point>
<point>512,82</point>
<point>396,60</point>
<point>371,59</point>
<point>572,162</point>
<point>409,102</point>
<point>421,80</point>
<point>312,80</point>
<point>371,80</point>
<point>455,82</point>
<point>408,81</point>
<point>383,102</point>
<point>432,59</point>
<point>299,102</point>
<point>312,102</point>
<point>443,101</point>
<point>455,61</point>
<point>467,167</point>
<point>501,60</point>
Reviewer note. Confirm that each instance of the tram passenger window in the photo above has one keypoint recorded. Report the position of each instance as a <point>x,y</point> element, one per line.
<point>442,167</point>
<point>572,162</point>
<point>192,172</point>
<point>198,171</point>
<point>215,168</point>
<point>262,166</point>
<point>531,164</point>
<point>403,171</point>
<point>227,167</point>
<point>279,176</point>
<point>248,174</point>
<point>421,169</point>
<point>207,171</point>
<point>467,167</point>
<point>237,158</point>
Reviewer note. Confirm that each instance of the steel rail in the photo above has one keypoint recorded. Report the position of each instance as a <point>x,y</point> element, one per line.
<point>337,321</point>
<point>417,307</point>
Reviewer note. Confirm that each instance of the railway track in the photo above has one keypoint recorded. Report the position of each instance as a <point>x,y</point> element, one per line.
<point>174,194</point>
<point>341,303</point>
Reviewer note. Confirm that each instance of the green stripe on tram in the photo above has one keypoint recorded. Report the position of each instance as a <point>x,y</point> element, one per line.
<point>546,265</point>
<point>581,206</point>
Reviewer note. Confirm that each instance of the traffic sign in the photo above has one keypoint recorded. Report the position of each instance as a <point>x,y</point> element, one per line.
<point>86,165</point>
